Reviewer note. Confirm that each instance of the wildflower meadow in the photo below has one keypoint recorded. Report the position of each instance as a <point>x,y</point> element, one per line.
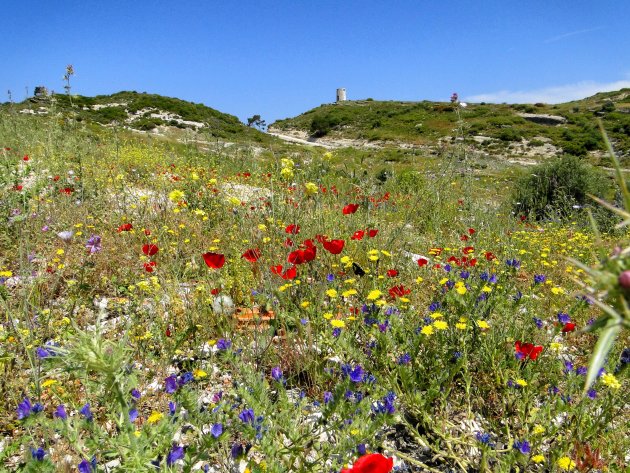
<point>187,306</point>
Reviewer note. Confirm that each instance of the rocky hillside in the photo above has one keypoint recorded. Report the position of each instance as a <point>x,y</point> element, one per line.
<point>526,130</point>
<point>142,112</point>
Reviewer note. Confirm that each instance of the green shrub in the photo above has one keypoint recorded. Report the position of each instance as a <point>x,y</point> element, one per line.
<point>323,124</point>
<point>560,189</point>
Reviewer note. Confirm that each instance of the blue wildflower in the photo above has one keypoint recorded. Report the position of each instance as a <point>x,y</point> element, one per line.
<point>361,450</point>
<point>135,394</point>
<point>38,454</point>
<point>247,416</point>
<point>60,412</point>
<point>538,322</point>
<point>24,409</point>
<point>276,373</point>
<point>133,414</point>
<point>217,430</point>
<point>176,453</point>
<point>563,318</point>
<point>236,450</point>
<point>356,375</point>
<point>328,396</point>
<point>483,437</point>
<point>539,278</point>
<point>223,344</point>
<point>86,412</point>
<point>170,384</point>
<point>172,407</point>
<point>404,359</point>
<point>522,447</point>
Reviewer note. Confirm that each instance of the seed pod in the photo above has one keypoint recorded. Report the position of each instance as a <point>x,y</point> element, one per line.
<point>624,280</point>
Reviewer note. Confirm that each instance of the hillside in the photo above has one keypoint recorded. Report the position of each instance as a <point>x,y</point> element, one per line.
<point>142,112</point>
<point>520,129</point>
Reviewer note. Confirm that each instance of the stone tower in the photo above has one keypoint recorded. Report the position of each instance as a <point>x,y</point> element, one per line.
<point>341,95</point>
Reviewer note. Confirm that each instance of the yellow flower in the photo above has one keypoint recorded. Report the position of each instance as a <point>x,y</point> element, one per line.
<point>176,195</point>
<point>427,330</point>
<point>331,293</point>
<point>609,380</point>
<point>374,294</point>
<point>521,382</point>
<point>443,281</point>
<point>436,315</point>
<point>286,173</point>
<point>565,463</point>
<point>557,290</point>
<point>328,315</point>
<point>440,325</point>
<point>482,324</point>
<point>461,290</point>
<point>60,252</point>
<point>486,289</point>
<point>305,304</point>
<point>310,188</point>
<point>538,459</point>
<point>460,326</point>
<point>198,373</point>
<point>49,382</point>
<point>338,323</point>
<point>349,292</point>
<point>155,417</point>
<point>539,429</point>
<point>555,346</point>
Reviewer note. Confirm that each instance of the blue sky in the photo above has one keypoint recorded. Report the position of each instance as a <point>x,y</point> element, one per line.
<point>281,58</point>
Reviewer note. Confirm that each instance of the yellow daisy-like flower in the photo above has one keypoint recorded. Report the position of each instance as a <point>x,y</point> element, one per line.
<point>565,463</point>
<point>443,281</point>
<point>155,417</point>
<point>440,325</point>
<point>331,293</point>
<point>346,260</point>
<point>482,324</point>
<point>609,380</point>
<point>327,315</point>
<point>176,195</point>
<point>198,373</point>
<point>460,326</point>
<point>436,315</point>
<point>310,188</point>
<point>427,330</point>
<point>486,289</point>
<point>461,290</point>
<point>374,294</point>
<point>538,459</point>
<point>305,304</point>
<point>349,292</point>
<point>521,382</point>
<point>538,429</point>
<point>49,382</point>
<point>337,323</point>
<point>557,290</point>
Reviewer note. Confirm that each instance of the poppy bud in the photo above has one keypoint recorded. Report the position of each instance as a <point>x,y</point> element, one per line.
<point>624,280</point>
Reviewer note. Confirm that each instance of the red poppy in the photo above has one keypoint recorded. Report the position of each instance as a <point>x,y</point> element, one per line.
<point>251,255</point>
<point>399,291</point>
<point>309,253</point>
<point>214,260</point>
<point>215,291</point>
<point>471,231</point>
<point>372,233</point>
<point>334,246</point>
<point>423,262</point>
<point>392,273</point>
<point>468,250</point>
<point>147,232</point>
<point>464,238</point>
<point>288,242</point>
<point>125,227</point>
<point>350,209</point>
<point>19,187</point>
<point>25,158</point>
<point>56,178</point>
<point>372,463</point>
<point>489,256</point>
<point>358,235</point>
<point>290,273</point>
<point>149,267</point>
<point>66,190</point>
<point>568,327</point>
<point>296,257</point>
<point>168,332</point>
<point>293,229</point>
<point>150,250</point>
<point>527,350</point>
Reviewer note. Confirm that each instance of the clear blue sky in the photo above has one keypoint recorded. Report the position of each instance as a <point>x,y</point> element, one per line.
<point>281,58</point>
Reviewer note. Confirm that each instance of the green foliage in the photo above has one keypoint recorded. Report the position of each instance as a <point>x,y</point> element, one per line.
<point>558,188</point>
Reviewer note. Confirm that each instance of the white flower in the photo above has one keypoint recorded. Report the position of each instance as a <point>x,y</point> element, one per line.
<point>66,236</point>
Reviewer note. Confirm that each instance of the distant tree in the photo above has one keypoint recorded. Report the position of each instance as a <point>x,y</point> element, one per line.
<point>256,122</point>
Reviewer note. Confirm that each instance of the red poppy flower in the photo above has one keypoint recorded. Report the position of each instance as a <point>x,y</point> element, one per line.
<point>468,250</point>
<point>214,260</point>
<point>125,227</point>
<point>471,231</point>
<point>334,246</point>
<point>423,262</point>
<point>568,327</point>
<point>19,187</point>
<point>290,273</point>
<point>372,463</point>
<point>288,242</point>
<point>147,232</point>
<point>350,209</point>
<point>399,291</point>
<point>149,267</point>
<point>251,255</point>
<point>489,256</point>
<point>215,291</point>
<point>293,229</point>
<point>372,233</point>
<point>358,235</point>
<point>464,238</point>
<point>150,250</point>
<point>527,350</point>
<point>392,273</point>
<point>25,158</point>
<point>56,178</point>
<point>66,191</point>
<point>296,257</point>
<point>309,253</point>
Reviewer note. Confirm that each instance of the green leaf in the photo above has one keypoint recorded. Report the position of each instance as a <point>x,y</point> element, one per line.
<point>603,346</point>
